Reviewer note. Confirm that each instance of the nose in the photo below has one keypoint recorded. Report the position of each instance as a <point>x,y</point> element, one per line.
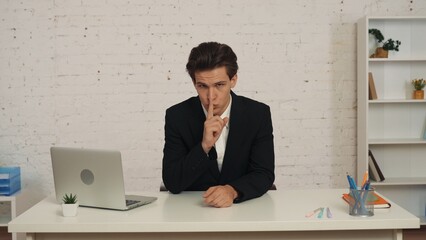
<point>211,94</point>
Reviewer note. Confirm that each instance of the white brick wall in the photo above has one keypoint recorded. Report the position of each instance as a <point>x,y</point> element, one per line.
<point>101,74</point>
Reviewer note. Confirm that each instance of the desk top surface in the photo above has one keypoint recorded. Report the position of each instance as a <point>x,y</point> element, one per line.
<point>281,210</point>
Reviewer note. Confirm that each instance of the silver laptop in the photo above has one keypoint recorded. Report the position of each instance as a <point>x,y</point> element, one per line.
<point>96,176</point>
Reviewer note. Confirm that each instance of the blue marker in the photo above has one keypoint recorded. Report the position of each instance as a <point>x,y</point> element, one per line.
<point>321,213</point>
<point>352,183</point>
<point>367,186</point>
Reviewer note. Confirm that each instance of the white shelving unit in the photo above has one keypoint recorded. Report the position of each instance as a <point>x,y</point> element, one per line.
<point>8,211</point>
<point>392,126</point>
<point>12,206</point>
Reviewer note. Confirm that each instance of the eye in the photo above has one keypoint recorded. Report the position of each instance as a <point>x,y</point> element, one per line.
<point>219,85</point>
<point>201,86</point>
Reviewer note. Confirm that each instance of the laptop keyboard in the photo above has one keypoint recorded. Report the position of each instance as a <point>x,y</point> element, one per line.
<point>130,202</point>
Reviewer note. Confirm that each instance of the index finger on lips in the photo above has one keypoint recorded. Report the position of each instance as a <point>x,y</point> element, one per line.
<point>210,111</point>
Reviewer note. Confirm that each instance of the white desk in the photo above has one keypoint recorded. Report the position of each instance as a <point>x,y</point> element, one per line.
<point>277,215</point>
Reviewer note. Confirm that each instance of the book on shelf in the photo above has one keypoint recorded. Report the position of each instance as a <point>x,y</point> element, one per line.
<point>424,134</point>
<point>373,168</point>
<point>372,94</point>
<point>377,201</point>
<point>372,171</point>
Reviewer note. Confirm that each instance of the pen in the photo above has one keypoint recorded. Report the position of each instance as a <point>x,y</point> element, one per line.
<point>355,194</point>
<point>365,178</point>
<point>320,214</point>
<point>329,215</point>
<point>312,213</point>
<point>351,181</point>
<point>367,185</point>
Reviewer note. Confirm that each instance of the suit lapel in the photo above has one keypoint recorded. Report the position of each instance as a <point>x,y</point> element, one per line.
<point>197,129</point>
<point>235,129</point>
<point>197,123</point>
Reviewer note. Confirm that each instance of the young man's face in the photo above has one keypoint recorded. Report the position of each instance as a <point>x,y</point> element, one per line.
<point>214,87</point>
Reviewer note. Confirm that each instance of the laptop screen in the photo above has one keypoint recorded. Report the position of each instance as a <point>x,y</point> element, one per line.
<point>96,176</point>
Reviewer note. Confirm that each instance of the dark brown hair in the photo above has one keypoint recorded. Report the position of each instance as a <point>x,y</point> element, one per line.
<point>210,55</point>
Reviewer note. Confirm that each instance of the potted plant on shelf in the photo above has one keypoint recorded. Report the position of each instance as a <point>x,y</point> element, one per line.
<point>418,85</point>
<point>388,45</point>
<point>69,205</point>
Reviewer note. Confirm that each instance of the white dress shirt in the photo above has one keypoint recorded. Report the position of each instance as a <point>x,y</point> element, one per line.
<point>221,142</point>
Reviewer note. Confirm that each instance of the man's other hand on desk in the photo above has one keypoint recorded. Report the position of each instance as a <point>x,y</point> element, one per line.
<point>220,196</point>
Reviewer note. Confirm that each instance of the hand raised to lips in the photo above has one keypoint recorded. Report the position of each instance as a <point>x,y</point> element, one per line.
<point>213,127</point>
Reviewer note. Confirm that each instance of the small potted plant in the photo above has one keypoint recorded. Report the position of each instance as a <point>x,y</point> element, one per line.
<point>418,85</point>
<point>388,45</point>
<point>69,205</point>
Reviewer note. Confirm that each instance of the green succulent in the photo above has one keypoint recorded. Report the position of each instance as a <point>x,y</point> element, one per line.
<point>70,199</point>
<point>418,84</point>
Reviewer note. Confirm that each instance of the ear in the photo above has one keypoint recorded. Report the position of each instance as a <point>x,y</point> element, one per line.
<point>234,80</point>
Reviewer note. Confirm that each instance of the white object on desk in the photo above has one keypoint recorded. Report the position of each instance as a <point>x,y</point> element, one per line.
<point>276,215</point>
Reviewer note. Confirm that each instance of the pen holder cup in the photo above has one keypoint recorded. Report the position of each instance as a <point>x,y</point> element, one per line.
<point>361,202</point>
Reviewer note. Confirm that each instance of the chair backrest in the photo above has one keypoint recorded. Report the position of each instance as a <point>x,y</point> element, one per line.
<point>163,188</point>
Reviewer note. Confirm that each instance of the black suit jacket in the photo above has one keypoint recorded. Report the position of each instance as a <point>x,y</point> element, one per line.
<point>248,163</point>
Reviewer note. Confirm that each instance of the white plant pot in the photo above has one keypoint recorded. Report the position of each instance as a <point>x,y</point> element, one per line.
<point>69,210</point>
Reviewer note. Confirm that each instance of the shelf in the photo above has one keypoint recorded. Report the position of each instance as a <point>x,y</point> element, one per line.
<point>397,101</point>
<point>401,181</point>
<point>396,18</point>
<point>422,220</point>
<point>393,125</point>
<point>5,217</point>
<point>8,198</point>
<point>397,59</point>
<point>4,220</point>
<point>376,141</point>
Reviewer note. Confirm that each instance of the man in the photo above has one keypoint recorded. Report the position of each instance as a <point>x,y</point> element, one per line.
<point>218,142</point>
